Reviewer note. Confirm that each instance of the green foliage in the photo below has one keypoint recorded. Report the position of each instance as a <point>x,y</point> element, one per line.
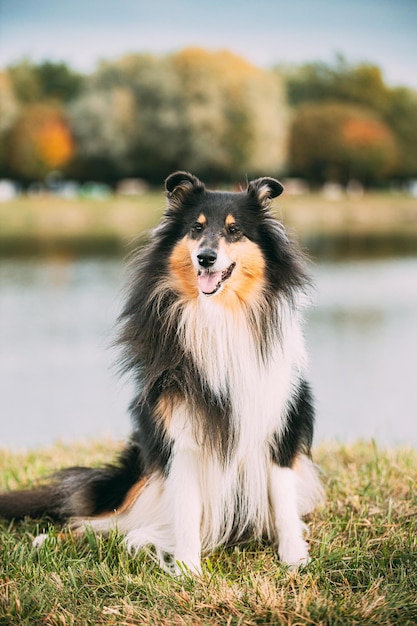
<point>401,116</point>
<point>360,84</point>
<point>363,547</point>
<point>43,81</point>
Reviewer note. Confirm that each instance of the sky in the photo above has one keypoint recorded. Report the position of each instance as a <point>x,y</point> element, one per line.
<point>265,32</point>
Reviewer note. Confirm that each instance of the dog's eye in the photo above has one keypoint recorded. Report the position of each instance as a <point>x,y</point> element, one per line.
<point>233,229</point>
<point>198,227</point>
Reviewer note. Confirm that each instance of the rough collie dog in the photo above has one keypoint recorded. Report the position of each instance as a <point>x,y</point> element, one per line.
<point>223,415</point>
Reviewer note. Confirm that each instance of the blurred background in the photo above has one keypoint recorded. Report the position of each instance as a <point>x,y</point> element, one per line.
<point>101,100</point>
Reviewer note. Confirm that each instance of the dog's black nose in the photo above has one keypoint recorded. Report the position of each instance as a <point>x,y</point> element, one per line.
<point>207,257</point>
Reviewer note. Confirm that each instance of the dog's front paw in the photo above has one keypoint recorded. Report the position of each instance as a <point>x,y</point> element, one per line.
<point>294,553</point>
<point>167,562</point>
<point>178,567</point>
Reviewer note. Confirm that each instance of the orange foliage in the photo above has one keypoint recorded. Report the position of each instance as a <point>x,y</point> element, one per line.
<point>222,61</point>
<point>334,141</point>
<point>40,141</point>
<point>370,145</point>
<point>54,142</point>
<point>362,132</point>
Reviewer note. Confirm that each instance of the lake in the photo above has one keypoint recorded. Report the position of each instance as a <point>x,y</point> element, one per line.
<point>57,374</point>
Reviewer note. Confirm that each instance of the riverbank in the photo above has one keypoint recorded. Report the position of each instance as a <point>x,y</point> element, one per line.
<point>363,548</point>
<point>372,223</point>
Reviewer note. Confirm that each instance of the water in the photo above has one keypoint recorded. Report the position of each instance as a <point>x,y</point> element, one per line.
<point>57,379</point>
<point>362,338</point>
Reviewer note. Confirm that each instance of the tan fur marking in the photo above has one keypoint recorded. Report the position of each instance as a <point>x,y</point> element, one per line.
<point>296,463</point>
<point>248,278</point>
<point>202,219</point>
<point>130,498</point>
<point>182,269</point>
<point>132,495</point>
<point>230,220</point>
<point>164,409</point>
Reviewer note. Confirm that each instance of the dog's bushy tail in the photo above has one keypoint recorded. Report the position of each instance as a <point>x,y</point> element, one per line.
<point>77,491</point>
<point>30,502</point>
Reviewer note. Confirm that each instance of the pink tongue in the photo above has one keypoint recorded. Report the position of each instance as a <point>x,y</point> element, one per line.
<point>207,281</point>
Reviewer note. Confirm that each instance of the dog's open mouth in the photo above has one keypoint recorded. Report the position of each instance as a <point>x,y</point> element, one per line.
<point>209,282</point>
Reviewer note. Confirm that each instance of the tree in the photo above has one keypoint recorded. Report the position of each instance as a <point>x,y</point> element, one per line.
<point>370,148</point>
<point>213,113</point>
<point>235,115</point>
<point>44,81</point>
<point>363,85</point>
<point>57,81</point>
<point>360,84</point>
<point>39,142</point>
<point>402,118</point>
<point>340,142</point>
<point>126,123</point>
<point>102,124</point>
<point>9,111</point>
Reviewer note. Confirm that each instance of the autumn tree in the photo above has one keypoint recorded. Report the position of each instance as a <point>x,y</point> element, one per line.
<point>363,85</point>
<point>339,142</point>
<point>34,133</point>
<point>40,141</point>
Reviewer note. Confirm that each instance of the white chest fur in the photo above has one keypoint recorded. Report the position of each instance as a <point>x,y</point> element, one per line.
<point>259,391</point>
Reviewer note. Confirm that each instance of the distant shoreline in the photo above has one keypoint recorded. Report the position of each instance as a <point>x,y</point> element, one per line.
<point>373,225</point>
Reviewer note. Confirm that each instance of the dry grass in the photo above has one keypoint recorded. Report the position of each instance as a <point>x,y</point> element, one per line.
<point>363,544</point>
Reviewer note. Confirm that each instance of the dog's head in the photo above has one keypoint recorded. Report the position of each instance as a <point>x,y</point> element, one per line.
<point>218,248</point>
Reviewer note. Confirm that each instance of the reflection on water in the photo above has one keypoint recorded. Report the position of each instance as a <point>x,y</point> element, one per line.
<point>57,321</point>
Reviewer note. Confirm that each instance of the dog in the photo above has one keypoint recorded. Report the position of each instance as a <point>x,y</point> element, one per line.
<point>223,416</point>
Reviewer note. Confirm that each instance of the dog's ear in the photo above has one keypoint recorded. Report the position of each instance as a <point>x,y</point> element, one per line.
<point>264,189</point>
<point>180,183</point>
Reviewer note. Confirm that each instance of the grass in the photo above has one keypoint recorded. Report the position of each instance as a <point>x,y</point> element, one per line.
<point>54,225</point>
<point>363,544</point>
